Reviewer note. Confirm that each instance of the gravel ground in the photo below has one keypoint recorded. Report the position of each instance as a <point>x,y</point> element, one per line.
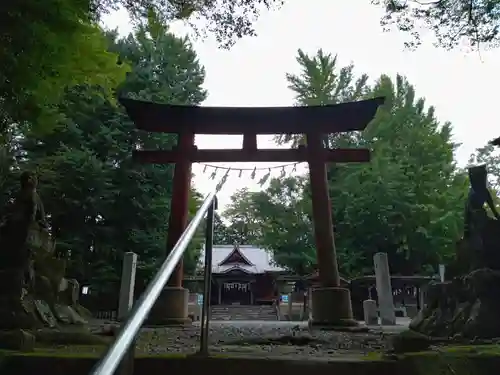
<point>264,340</point>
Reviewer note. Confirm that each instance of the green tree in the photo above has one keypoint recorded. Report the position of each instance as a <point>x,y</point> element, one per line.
<point>242,214</point>
<point>408,201</point>
<point>46,47</point>
<point>227,20</point>
<point>222,234</point>
<point>321,82</point>
<point>488,155</point>
<point>451,22</point>
<point>101,203</point>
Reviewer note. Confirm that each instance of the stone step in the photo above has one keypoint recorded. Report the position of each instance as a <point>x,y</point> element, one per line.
<point>243,312</point>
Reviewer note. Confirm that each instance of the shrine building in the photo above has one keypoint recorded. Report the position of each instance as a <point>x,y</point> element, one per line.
<point>243,274</point>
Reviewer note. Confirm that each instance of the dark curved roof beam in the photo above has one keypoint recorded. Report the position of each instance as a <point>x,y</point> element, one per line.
<point>165,118</point>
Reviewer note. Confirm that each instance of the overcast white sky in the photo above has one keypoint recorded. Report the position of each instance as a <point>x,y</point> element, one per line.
<point>460,85</point>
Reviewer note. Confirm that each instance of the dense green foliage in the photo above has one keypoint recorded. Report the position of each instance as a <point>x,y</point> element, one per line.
<point>408,201</point>
<point>101,203</point>
<point>47,46</point>
<point>226,20</point>
<point>451,22</point>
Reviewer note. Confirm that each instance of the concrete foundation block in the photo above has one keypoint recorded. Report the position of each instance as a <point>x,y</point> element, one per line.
<point>331,307</point>
<point>171,308</point>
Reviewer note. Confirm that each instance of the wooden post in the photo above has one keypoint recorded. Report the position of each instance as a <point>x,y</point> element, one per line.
<point>322,213</point>
<point>180,202</point>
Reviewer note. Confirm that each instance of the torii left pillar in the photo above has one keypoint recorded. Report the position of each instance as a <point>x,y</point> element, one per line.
<point>331,304</point>
<point>171,308</point>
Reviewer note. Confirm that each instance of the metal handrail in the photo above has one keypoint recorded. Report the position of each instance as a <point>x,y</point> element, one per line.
<point>111,360</point>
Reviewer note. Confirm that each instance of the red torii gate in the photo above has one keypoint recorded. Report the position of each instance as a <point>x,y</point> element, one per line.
<point>331,304</point>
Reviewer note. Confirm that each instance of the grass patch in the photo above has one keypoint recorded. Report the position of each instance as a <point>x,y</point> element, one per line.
<point>452,360</point>
<point>491,350</point>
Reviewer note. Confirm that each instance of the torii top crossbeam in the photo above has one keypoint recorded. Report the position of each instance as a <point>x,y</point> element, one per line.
<point>336,118</point>
<point>185,119</point>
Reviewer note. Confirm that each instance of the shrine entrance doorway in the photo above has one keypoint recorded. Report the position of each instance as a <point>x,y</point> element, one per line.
<point>236,293</point>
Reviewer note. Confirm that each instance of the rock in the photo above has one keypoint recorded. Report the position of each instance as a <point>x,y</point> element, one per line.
<point>17,340</point>
<point>409,341</point>
<point>68,315</point>
<point>69,291</point>
<point>468,307</point>
<point>33,290</point>
<point>18,313</point>
<point>473,254</point>
<point>73,336</point>
<point>45,313</point>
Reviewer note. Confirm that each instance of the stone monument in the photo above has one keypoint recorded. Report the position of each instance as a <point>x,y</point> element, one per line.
<point>468,306</point>
<point>384,289</point>
<point>36,300</point>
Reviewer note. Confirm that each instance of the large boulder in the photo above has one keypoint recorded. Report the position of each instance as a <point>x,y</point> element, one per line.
<point>467,307</point>
<point>34,292</point>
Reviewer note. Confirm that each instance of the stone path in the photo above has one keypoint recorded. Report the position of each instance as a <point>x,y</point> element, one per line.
<point>261,338</point>
<point>279,338</point>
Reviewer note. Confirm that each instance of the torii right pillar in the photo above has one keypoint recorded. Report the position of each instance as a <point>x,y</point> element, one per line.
<point>331,304</point>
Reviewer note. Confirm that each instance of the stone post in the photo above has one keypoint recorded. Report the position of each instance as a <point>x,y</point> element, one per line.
<point>442,272</point>
<point>126,301</point>
<point>384,289</point>
<point>370,312</point>
<point>422,296</point>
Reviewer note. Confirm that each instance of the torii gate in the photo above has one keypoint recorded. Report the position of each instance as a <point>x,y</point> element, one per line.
<point>331,304</point>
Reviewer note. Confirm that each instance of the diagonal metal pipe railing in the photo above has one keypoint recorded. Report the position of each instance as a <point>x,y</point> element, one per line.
<point>116,352</point>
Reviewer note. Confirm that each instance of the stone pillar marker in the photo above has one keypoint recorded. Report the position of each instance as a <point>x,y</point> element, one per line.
<point>442,272</point>
<point>422,296</point>
<point>126,301</point>
<point>127,285</point>
<point>370,312</point>
<point>384,289</point>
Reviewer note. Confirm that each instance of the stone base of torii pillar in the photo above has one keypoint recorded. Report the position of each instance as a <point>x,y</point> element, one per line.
<point>331,308</point>
<point>171,308</point>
